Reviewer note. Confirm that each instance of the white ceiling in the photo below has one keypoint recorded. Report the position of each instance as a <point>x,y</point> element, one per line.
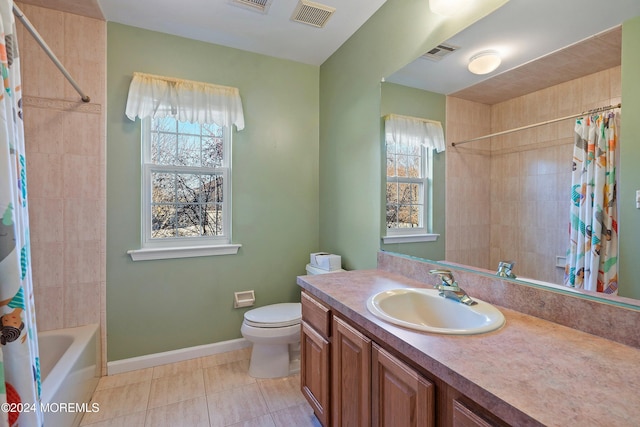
<point>226,23</point>
<point>522,31</point>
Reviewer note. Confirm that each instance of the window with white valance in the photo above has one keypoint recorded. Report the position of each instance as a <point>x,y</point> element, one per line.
<point>186,165</point>
<point>410,143</point>
<point>185,100</point>
<point>413,130</point>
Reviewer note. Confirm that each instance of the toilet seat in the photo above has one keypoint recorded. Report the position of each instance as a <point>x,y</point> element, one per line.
<point>274,316</point>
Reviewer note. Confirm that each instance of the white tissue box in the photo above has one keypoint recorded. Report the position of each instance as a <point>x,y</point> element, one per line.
<point>326,261</point>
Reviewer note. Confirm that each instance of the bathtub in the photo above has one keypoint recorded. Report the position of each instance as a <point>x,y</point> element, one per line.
<point>70,370</point>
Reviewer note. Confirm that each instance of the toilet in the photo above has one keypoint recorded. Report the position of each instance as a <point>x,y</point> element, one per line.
<point>274,331</point>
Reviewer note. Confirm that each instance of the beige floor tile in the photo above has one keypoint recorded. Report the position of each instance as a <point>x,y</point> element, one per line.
<point>118,401</point>
<point>280,393</point>
<point>125,378</point>
<point>176,368</point>
<point>229,375</point>
<point>188,413</point>
<point>236,405</point>
<point>263,421</point>
<point>131,420</point>
<point>227,357</point>
<point>176,388</point>
<point>299,416</point>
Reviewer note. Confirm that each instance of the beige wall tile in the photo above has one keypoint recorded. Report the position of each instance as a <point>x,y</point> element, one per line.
<point>47,269</point>
<point>49,307</point>
<point>82,262</point>
<point>46,218</point>
<point>80,302</point>
<point>44,175</point>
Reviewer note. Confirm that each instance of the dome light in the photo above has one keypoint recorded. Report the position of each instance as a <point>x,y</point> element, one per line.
<point>484,62</point>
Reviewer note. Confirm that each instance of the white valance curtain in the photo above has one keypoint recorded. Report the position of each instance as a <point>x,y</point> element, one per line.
<point>414,130</point>
<point>186,100</point>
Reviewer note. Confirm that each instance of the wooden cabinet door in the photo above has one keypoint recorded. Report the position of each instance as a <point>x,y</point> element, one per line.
<point>465,417</point>
<point>315,372</point>
<point>351,371</point>
<point>400,396</point>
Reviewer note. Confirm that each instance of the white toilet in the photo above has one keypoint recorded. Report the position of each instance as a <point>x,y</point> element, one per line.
<point>274,331</point>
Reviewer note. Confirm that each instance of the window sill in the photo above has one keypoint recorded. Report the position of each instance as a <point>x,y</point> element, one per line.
<point>410,238</point>
<point>148,254</point>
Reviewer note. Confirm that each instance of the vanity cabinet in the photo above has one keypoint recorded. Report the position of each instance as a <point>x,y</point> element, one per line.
<point>315,354</point>
<point>351,376</point>
<point>400,396</point>
<point>350,380</point>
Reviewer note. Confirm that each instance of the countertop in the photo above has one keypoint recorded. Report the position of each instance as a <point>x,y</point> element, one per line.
<point>531,371</point>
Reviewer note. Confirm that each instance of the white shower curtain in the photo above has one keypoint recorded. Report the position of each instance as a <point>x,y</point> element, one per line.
<point>19,361</point>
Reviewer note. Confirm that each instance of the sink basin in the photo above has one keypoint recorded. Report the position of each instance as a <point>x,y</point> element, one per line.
<point>425,310</point>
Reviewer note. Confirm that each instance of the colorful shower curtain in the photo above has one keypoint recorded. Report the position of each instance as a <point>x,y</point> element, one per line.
<point>592,258</point>
<point>20,370</point>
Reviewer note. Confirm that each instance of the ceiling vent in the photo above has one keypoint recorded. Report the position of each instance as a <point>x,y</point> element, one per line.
<point>257,5</point>
<point>311,13</point>
<point>440,51</point>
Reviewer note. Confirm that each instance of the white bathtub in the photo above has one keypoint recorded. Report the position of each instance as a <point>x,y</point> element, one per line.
<point>70,370</point>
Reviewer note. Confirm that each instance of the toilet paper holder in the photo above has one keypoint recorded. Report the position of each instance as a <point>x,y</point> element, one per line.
<point>244,299</point>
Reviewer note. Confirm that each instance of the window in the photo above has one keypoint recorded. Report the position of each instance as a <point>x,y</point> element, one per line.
<point>408,172</point>
<point>186,161</point>
<point>186,183</point>
<point>409,159</point>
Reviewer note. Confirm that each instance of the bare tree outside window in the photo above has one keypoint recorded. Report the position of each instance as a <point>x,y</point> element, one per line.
<point>187,179</point>
<point>405,186</point>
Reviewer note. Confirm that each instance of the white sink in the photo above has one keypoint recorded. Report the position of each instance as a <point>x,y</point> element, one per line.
<point>425,310</point>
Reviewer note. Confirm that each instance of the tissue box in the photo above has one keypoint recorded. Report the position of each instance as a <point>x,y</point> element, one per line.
<point>326,261</point>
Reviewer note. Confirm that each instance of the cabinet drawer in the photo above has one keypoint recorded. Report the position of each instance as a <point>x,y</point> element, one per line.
<point>316,314</point>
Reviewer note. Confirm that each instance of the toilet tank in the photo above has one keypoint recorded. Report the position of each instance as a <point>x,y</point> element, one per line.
<point>311,270</point>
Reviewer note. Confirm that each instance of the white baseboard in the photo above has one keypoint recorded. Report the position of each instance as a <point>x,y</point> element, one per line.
<point>157,359</point>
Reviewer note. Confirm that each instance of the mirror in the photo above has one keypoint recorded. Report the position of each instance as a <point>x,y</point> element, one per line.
<point>545,72</point>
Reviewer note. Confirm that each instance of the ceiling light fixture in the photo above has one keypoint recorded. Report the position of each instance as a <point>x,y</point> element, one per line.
<point>447,7</point>
<point>484,62</point>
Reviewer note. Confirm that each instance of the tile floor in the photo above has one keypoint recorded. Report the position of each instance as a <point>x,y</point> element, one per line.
<point>209,391</point>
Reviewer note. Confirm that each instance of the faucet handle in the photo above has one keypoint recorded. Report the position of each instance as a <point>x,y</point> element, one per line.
<point>445,275</point>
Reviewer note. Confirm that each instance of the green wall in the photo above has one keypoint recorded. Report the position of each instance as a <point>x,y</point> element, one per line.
<point>350,152</point>
<point>397,99</point>
<point>155,306</point>
<point>629,182</point>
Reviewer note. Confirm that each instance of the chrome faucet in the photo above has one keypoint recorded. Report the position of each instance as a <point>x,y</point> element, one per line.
<point>504,269</point>
<point>449,288</point>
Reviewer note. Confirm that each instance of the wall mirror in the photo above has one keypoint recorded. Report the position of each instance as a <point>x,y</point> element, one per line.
<point>553,65</point>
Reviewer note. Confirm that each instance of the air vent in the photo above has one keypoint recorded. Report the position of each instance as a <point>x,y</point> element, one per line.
<point>311,13</point>
<point>257,5</point>
<point>440,51</point>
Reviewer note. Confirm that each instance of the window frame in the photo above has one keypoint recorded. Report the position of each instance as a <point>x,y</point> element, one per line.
<point>181,247</point>
<point>423,232</point>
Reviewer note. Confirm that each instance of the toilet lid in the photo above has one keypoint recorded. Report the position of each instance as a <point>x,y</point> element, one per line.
<point>275,315</point>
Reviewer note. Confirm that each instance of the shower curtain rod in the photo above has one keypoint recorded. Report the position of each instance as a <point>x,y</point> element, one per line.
<point>596,110</point>
<point>47,50</point>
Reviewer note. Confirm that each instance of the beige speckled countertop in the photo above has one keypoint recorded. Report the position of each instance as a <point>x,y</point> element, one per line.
<point>529,372</point>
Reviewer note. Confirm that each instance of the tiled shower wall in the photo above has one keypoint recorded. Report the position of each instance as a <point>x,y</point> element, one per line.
<point>529,173</point>
<point>65,141</point>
